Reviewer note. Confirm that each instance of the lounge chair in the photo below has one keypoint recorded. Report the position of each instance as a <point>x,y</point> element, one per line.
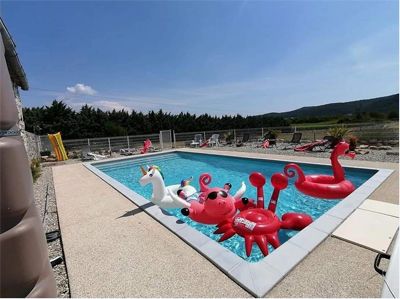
<point>327,144</point>
<point>296,139</point>
<point>197,141</point>
<point>84,155</point>
<point>128,151</point>
<point>319,145</point>
<point>214,140</point>
<point>97,156</point>
<point>245,139</point>
<point>87,155</point>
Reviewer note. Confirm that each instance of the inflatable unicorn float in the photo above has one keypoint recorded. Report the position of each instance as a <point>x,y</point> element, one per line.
<point>183,195</point>
<point>160,196</point>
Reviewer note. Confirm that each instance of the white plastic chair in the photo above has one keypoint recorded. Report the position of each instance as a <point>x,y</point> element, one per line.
<point>198,138</point>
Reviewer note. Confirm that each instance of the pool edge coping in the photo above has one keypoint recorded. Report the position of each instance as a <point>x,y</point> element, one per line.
<point>260,277</point>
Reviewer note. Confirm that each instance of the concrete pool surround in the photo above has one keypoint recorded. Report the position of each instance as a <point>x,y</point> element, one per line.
<point>260,277</point>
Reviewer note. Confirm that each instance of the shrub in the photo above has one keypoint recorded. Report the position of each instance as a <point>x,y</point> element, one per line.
<point>229,137</point>
<point>35,169</point>
<point>274,134</point>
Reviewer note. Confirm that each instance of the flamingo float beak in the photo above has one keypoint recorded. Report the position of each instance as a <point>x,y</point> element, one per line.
<point>142,170</point>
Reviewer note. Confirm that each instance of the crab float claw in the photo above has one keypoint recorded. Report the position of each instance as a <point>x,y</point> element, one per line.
<point>259,225</point>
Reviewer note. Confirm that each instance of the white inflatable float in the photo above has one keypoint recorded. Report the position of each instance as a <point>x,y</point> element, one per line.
<point>161,193</point>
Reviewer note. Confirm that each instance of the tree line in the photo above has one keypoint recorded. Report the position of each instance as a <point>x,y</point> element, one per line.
<point>91,122</point>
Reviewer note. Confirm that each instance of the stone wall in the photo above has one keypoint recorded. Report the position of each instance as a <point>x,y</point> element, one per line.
<point>31,141</point>
<point>20,123</point>
<point>32,144</point>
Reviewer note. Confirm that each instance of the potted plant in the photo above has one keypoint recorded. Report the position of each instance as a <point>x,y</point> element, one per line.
<point>272,136</point>
<point>228,137</point>
<point>353,143</point>
<point>338,134</point>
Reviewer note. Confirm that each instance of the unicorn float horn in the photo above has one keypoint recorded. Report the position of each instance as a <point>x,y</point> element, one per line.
<point>144,172</point>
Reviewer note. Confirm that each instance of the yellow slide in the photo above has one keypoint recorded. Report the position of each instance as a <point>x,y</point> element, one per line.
<point>58,146</point>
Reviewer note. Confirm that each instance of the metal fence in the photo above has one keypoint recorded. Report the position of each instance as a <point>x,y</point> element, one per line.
<point>370,133</point>
<point>104,144</point>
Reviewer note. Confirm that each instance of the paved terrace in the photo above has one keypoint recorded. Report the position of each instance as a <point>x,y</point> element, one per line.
<point>114,249</point>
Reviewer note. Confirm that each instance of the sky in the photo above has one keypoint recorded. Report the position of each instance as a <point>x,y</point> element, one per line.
<point>216,57</point>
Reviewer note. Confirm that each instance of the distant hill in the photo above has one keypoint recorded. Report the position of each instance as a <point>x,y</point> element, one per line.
<point>382,105</point>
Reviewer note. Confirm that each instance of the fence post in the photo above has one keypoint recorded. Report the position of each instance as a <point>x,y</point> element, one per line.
<point>314,133</point>
<point>204,134</point>
<point>109,145</point>
<point>127,139</point>
<point>262,132</point>
<point>295,129</point>
<point>161,141</point>
<point>88,143</point>
<point>173,136</point>
<point>37,139</point>
<point>234,135</point>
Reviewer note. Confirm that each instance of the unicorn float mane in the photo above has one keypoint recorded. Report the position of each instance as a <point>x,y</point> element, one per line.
<point>156,167</point>
<point>150,168</point>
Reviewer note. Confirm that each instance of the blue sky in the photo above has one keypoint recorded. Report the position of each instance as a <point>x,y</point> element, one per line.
<point>219,57</point>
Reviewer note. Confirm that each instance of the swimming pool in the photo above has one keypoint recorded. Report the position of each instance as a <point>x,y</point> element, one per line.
<point>255,274</point>
<point>178,166</point>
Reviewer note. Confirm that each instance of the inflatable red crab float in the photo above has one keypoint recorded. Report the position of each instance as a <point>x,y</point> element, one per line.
<point>260,225</point>
<point>214,204</point>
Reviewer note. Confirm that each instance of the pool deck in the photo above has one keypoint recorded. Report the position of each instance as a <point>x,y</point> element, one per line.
<point>114,249</point>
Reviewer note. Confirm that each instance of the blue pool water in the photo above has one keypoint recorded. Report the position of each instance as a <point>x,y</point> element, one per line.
<point>178,166</point>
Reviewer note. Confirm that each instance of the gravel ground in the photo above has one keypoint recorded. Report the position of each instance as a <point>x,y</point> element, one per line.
<point>373,155</point>
<point>44,185</point>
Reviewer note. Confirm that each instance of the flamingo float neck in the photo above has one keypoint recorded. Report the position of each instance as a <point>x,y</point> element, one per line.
<point>337,168</point>
<point>338,171</point>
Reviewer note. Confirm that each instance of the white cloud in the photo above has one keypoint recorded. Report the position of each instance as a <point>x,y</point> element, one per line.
<point>80,88</point>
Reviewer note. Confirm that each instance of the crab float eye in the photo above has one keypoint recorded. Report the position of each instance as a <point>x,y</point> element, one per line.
<point>223,194</point>
<point>214,195</point>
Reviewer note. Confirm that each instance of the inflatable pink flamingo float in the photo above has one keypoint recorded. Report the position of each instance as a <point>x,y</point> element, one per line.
<point>261,225</point>
<point>324,186</point>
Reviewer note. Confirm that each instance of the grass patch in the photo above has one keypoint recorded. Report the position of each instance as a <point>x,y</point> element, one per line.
<point>35,169</point>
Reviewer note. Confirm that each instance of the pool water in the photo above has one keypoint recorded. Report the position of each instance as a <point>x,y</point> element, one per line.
<point>223,169</point>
